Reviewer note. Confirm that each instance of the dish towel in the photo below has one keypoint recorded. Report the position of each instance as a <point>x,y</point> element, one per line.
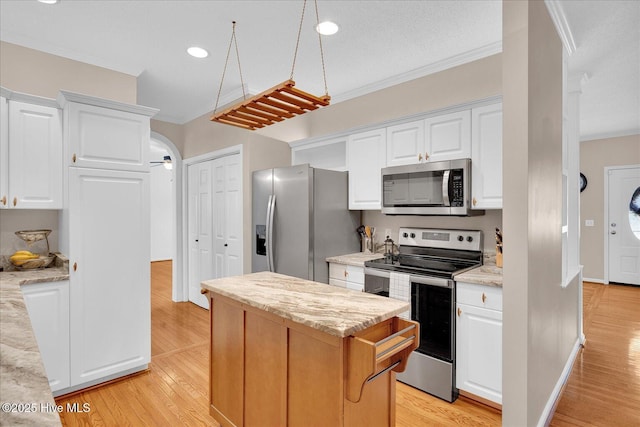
<point>400,288</point>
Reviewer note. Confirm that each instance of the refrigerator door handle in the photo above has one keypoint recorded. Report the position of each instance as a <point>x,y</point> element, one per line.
<point>271,207</point>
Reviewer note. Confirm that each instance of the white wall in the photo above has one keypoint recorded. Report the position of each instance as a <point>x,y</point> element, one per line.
<point>162,219</point>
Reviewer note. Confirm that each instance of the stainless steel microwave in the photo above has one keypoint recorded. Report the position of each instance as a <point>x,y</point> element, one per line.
<point>435,188</point>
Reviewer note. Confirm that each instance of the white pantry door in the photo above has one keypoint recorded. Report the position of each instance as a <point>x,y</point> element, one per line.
<point>227,216</point>
<point>624,225</point>
<point>200,230</point>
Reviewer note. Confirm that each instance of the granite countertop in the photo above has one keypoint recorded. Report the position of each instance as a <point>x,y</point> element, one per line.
<point>356,259</point>
<point>330,309</point>
<point>23,380</point>
<point>488,274</point>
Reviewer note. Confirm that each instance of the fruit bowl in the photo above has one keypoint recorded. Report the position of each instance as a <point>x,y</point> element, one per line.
<point>33,262</point>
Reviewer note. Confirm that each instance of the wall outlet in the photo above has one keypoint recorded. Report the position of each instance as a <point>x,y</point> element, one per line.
<point>588,223</point>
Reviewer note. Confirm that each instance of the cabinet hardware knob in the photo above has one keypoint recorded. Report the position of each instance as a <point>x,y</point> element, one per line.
<point>345,273</point>
<point>73,158</point>
<point>15,201</point>
<point>484,297</point>
<point>474,201</point>
<point>225,245</point>
<point>75,266</point>
<point>4,200</point>
<point>613,232</point>
<point>426,156</point>
<point>419,157</point>
<point>203,291</point>
<point>459,312</point>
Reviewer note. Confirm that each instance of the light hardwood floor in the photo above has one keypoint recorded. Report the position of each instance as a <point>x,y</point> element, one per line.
<point>175,390</point>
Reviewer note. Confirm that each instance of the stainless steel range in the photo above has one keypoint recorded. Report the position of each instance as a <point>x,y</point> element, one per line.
<point>422,273</point>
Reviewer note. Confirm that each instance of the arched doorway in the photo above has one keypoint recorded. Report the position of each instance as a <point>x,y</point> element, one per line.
<point>166,208</point>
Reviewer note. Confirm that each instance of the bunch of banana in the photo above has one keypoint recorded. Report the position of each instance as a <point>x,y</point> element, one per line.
<point>22,257</point>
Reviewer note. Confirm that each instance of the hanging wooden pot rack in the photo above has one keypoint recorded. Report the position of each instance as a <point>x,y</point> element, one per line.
<point>274,105</point>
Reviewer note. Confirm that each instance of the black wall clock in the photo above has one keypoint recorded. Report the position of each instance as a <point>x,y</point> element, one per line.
<point>583,182</point>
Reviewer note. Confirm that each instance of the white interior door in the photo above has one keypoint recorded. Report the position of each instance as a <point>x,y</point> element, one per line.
<point>200,230</point>
<point>227,217</point>
<point>624,225</point>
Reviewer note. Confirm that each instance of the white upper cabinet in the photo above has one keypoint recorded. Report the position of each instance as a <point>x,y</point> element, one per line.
<point>405,143</point>
<point>448,136</point>
<point>366,155</point>
<point>31,153</point>
<point>106,135</point>
<point>486,157</point>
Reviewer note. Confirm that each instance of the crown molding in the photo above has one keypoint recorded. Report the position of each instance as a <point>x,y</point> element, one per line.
<point>463,58</point>
<point>562,26</point>
<point>65,97</point>
<point>613,134</point>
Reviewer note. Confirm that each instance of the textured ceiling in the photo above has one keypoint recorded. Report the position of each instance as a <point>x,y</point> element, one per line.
<point>380,43</point>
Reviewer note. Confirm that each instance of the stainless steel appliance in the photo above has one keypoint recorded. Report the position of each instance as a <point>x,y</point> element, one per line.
<point>301,217</point>
<point>436,188</point>
<point>428,259</point>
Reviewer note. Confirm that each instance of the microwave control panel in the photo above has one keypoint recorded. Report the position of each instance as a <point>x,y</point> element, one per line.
<point>456,186</point>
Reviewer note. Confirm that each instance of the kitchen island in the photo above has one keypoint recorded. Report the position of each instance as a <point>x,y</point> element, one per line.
<point>287,351</point>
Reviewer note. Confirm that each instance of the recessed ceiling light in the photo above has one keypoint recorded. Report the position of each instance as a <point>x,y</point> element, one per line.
<point>327,28</point>
<point>48,1</point>
<point>197,52</point>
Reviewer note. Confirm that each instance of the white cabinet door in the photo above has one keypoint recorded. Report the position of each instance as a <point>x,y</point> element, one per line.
<point>479,352</point>
<point>405,143</point>
<point>110,279</point>
<point>366,155</point>
<point>4,153</point>
<point>35,156</point>
<point>227,216</point>
<point>48,306</point>
<point>486,157</point>
<point>106,138</point>
<point>355,278</point>
<point>448,136</point>
<point>337,274</point>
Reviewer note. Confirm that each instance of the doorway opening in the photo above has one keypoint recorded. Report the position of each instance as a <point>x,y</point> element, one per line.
<point>166,208</point>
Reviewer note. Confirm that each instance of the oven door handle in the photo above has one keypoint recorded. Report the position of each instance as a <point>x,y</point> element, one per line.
<point>431,281</point>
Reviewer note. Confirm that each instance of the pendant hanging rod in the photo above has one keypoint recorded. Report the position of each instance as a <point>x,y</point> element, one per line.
<point>233,41</point>
<point>295,53</point>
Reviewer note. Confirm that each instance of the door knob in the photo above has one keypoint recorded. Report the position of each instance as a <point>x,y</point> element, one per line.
<point>225,245</point>
<point>197,240</point>
<point>613,231</point>
<point>613,224</point>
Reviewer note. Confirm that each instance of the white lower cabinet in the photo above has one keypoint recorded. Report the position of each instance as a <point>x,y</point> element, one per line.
<point>479,341</point>
<point>48,307</point>
<point>346,276</point>
<point>108,229</point>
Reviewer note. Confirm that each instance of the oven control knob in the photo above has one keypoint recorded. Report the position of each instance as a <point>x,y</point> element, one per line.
<point>460,238</point>
<point>469,238</point>
<point>413,235</point>
<point>405,235</point>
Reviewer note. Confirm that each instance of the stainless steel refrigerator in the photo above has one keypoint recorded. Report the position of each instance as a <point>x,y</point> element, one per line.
<point>301,217</point>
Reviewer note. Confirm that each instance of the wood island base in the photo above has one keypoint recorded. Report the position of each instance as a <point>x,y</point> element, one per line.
<point>267,370</point>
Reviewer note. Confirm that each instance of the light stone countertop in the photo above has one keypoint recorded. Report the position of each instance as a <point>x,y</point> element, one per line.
<point>356,259</point>
<point>487,274</point>
<point>23,379</point>
<point>330,309</point>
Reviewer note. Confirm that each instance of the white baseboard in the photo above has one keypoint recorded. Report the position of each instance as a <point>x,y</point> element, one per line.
<point>589,279</point>
<point>550,407</point>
